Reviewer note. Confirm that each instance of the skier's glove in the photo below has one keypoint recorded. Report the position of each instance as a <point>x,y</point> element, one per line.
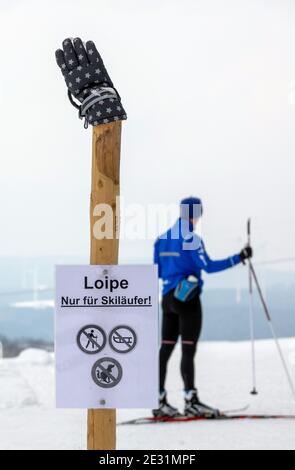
<point>88,81</point>
<point>246,253</point>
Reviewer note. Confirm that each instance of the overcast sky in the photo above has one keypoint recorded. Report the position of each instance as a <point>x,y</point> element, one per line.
<point>209,88</point>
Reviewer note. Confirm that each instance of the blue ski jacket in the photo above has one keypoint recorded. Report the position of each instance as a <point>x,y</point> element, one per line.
<point>180,252</point>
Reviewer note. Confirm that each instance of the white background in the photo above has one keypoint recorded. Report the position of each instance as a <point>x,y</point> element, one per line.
<point>138,387</point>
<point>209,91</point>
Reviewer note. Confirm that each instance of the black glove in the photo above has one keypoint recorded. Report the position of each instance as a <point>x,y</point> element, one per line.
<point>88,81</point>
<point>246,253</point>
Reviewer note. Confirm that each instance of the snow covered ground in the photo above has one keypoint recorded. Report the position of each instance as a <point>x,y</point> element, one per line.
<point>29,420</point>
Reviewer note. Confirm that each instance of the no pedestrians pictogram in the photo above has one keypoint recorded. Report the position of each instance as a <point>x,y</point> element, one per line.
<point>91,339</point>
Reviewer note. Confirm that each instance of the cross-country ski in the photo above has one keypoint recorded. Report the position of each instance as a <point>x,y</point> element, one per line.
<point>188,419</point>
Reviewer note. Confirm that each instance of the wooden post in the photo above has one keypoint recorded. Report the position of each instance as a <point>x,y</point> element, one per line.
<point>106,143</point>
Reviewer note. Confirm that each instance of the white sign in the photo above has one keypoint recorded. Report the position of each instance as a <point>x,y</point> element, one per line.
<point>106,336</point>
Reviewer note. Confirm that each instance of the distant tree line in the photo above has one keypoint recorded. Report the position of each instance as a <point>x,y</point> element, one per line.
<point>13,347</point>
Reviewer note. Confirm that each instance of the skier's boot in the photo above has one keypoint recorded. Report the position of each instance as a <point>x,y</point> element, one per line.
<point>194,407</point>
<point>165,409</point>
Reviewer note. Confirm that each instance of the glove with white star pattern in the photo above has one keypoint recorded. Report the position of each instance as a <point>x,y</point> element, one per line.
<point>88,81</point>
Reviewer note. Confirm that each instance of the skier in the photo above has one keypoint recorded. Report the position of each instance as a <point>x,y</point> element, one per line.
<point>181,256</point>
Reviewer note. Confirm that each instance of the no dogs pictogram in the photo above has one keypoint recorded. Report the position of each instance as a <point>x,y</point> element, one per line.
<point>106,372</point>
<point>91,339</point>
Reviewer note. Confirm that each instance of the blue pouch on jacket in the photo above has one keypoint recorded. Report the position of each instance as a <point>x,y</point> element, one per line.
<point>186,290</point>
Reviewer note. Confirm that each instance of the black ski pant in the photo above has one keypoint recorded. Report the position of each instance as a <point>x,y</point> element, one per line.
<point>180,319</point>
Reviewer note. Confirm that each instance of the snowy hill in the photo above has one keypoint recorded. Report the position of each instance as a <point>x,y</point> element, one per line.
<point>29,419</point>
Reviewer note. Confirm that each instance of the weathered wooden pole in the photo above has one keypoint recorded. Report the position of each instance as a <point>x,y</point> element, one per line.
<point>91,91</point>
<point>105,179</point>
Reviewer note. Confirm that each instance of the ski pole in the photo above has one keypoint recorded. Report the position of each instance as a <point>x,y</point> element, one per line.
<point>251,317</point>
<point>269,320</point>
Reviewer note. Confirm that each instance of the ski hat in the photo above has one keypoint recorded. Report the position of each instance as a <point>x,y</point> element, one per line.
<point>191,208</point>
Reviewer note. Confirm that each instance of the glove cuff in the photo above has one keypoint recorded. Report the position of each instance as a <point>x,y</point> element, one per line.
<point>99,105</point>
<point>97,95</point>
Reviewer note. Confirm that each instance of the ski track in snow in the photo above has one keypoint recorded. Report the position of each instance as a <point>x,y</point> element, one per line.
<point>29,420</point>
